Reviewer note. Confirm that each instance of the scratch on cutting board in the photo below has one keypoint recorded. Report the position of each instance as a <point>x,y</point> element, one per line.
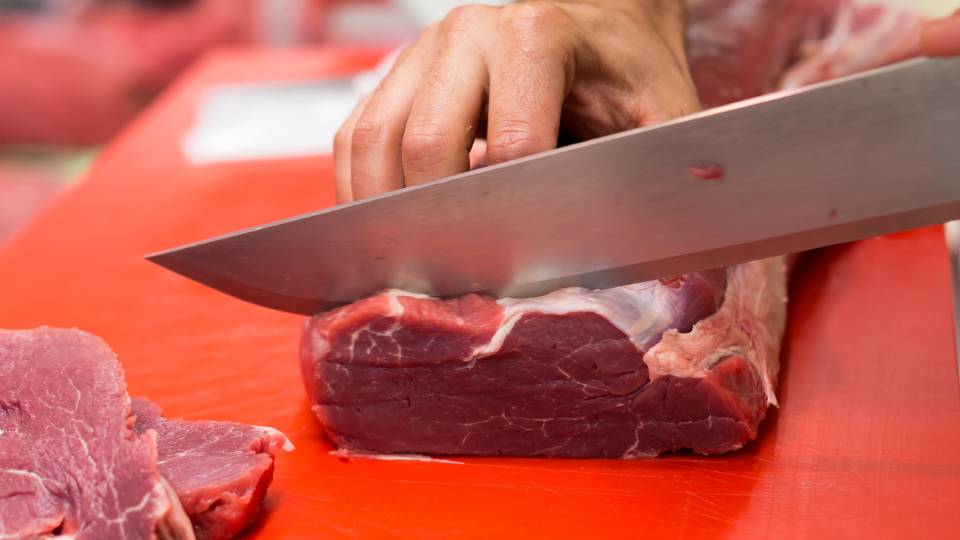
<point>712,473</point>
<point>533,486</point>
<point>710,509</point>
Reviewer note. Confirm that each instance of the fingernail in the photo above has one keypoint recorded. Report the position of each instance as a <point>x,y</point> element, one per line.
<point>942,37</point>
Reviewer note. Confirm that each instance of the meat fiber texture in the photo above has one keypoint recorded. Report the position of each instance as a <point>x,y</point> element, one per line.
<point>220,471</point>
<point>70,463</point>
<point>627,372</point>
<point>78,459</point>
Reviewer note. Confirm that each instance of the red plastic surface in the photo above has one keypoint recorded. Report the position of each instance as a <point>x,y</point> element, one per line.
<point>866,444</point>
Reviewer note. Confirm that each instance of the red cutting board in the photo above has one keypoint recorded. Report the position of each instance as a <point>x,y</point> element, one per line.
<point>866,444</point>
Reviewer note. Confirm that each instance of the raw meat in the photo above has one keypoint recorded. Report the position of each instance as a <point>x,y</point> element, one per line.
<point>560,375</point>
<point>738,49</point>
<point>70,462</point>
<point>77,457</point>
<point>861,38</point>
<point>627,372</point>
<point>219,470</point>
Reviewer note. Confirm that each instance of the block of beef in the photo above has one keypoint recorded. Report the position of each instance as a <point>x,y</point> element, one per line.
<point>633,371</point>
<point>70,462</point>
<point>614,373</point>
<point>220,471</point>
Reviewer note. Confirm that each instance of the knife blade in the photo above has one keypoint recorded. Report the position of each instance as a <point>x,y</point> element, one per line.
<point>844,160</point>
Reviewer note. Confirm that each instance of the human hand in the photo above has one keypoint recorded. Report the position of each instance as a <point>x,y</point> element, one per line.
<point>942,37</point>
<point>511,77</point>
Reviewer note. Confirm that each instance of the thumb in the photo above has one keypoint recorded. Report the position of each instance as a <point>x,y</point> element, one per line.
<point>942,37</point>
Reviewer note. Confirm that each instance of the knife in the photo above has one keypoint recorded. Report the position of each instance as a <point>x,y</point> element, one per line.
<point>856,157</point>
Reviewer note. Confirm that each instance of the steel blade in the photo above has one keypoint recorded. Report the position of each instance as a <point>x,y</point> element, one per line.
<point>835,162</point>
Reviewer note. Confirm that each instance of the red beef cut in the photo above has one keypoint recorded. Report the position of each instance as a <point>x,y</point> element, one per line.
<point>220,471</point>
<point>561,375</point>
<point>78,458</point>
<point>70,462</point>
<point>627,372</point>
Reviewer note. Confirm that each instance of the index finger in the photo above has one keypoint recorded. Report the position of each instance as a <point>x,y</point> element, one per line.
<point>942,37</point>
<point>341,153</point>
<point>529,76</point>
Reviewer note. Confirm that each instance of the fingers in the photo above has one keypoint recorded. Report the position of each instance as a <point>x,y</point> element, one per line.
<point>507,75</point>
<point>445,112</point>
<point>341,154</point>
<point>529,79</point>
<point>421,122</point>
<point>942,37</point>
<point>375,165</point>
<point>478,154</point>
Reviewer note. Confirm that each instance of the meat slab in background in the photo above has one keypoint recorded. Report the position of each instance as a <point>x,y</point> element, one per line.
<point>861,37</point>
<point>220,471</point>
<point>84,69</point>
<point>627,372</point>
<point>74,460</point>
<point>70,463</point>
<point>738,49</point>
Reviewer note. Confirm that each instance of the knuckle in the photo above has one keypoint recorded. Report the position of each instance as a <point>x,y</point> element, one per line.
<point>513,139</point>
<point>430,32</point>
<point>423,144</point>
<point>464,18</point>
<point>531,18</point>
<point>369,131</point>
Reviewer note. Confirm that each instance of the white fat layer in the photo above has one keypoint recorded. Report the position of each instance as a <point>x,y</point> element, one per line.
<point>320,344</point>
<point>396,307</point>
<point>750,324</point>
<point>627,308</point>
<point>277,434</point>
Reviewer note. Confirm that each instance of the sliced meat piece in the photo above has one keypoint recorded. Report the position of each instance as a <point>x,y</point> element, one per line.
<point>219,470</point>
<point>70,462</point>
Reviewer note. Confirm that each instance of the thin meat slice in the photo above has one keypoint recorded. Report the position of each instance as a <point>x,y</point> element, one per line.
<point>219,470</point>
<point>70,462</point>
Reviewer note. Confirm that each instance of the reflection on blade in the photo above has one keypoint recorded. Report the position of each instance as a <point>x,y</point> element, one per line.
<point>840,161</point>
